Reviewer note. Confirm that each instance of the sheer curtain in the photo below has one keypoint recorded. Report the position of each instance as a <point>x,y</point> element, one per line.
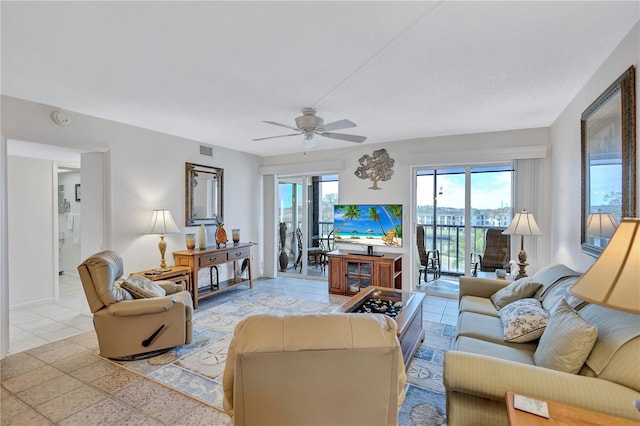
<point>531,194</point>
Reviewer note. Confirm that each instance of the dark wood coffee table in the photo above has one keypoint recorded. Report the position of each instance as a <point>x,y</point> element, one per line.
<point>410,329</point>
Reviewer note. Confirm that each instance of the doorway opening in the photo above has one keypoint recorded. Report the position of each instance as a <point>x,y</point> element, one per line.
<point>304,223</point>
<point>69,196</point>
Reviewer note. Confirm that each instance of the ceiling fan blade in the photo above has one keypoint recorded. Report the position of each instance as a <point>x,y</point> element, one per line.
<point>280,136</point>
<point>282,125</point>
<point>344,137</point>
<point>340,124</point>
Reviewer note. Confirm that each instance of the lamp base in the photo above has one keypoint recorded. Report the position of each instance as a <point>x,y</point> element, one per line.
<point>161,269</point>
<point>522,272</point>
<point>522,257</point>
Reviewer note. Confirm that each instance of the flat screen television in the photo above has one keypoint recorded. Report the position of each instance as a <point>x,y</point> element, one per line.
<point>368,224</point>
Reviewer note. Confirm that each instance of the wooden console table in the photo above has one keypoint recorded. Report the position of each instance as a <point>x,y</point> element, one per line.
<point>176,274</point>
<point>210,258</point>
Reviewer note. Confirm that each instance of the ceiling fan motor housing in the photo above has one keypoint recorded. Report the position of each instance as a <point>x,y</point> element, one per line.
<point>309,120</point>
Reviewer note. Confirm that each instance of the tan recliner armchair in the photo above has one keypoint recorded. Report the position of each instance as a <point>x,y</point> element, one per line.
<point>333,369</point>
<point>127,326</point>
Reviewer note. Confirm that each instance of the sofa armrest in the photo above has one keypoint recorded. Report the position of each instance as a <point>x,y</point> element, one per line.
<point>169,286</point>
<point>480,287</point>
<point>491,378</point>
<point>152,305</point>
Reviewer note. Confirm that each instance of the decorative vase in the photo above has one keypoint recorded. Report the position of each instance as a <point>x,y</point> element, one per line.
<point>191,241</point>
<point>235,236</point>
<point>284,261</point>
<point>283,258</point>
<point>202,238</point>
<point>221,235</point>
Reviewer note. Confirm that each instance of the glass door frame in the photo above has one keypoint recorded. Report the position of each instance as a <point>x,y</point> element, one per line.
<point>303,217</point>
<point>468,225</point>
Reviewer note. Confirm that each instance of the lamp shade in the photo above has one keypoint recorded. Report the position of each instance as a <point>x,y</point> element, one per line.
<point>523,223</point>
<point>613,280</point>
<point>601,225</point>
<point>162,223</point>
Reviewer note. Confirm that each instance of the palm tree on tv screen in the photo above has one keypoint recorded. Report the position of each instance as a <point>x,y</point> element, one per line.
<point>374,215</point>
<point>350,213</point>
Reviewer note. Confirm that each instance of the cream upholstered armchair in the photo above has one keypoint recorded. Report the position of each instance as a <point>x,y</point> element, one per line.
<point>126,326</point>
<point>327,369</point>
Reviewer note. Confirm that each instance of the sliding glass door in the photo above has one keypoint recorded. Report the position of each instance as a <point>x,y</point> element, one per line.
<point>457,205</point>
<point>305,221</point>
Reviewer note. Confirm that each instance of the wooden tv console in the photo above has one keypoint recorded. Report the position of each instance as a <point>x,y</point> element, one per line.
<point>350,272</point>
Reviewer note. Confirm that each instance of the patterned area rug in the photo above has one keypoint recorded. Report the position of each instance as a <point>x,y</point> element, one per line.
<point>196,369</point>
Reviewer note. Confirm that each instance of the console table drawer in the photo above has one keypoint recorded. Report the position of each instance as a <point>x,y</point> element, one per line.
<point>212,259</point>
<point>240,253</point>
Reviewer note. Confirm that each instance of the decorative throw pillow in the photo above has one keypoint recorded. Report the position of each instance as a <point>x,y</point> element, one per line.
<point>141,287</point>
<point>520,289</point>
<point>567,341</point>
<point>523,320</point>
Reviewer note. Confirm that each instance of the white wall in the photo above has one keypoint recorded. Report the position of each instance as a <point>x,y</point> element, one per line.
<point>31,230</point>
<point>143,171</point>
<point>565,147</point>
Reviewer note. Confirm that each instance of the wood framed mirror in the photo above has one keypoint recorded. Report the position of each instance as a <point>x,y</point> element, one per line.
<point>608,138</point>
<point>204,187</point>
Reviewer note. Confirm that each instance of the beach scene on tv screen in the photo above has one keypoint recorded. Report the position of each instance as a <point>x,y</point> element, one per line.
<point>368,224</point>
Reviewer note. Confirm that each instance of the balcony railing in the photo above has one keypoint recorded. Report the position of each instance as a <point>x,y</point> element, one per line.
<point>449,240</point>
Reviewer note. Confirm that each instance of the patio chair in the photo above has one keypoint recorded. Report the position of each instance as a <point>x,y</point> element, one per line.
<point>429,259</point>
<point>314,254</point>
<point>497,249</point>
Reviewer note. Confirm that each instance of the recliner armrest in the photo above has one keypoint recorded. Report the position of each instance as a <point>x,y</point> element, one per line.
<point>169,286</point>
<point>143,306</point>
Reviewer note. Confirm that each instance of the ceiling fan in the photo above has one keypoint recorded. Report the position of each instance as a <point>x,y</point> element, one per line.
<point>310,125</point>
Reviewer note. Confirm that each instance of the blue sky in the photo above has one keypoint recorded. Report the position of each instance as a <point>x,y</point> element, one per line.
<point>488,190</point>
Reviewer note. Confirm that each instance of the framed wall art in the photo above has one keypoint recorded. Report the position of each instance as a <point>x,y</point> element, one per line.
<point>608,142</point>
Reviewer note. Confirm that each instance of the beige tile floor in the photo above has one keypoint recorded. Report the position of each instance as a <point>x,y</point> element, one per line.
<point>36,325</point>
<point>66,382</point>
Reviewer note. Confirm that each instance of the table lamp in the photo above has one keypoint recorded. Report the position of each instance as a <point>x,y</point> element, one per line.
<point>601,225</point>
<point>612,280</point>
<point>522,224</point>
<point>162,223</point>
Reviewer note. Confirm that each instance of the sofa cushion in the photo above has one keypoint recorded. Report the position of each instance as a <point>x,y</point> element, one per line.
<point>523,320</point>
<point>479,305</point>
<point>481,347</point>
<point>487,328</point>
<point>624,368</point>
<point>142,288</point>
<point>615,328</point>
<point>520,289</point>
<point>558,292</point>
<point>566,342</point>
<point>549,276</point>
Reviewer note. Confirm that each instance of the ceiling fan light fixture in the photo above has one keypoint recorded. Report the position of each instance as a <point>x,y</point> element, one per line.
<point>309,142</point>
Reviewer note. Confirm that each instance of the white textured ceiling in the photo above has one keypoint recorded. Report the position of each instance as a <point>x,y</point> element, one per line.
<point>212,71</point>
